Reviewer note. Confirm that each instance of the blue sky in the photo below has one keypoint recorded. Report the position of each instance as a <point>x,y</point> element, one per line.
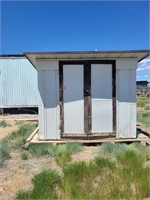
<point>64,26</point>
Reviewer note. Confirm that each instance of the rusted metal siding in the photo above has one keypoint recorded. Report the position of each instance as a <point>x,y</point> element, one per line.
<point>18,83</point>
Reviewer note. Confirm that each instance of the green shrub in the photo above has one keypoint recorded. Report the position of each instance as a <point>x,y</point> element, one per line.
<point>49,180</point>
<point>146,114</point>
<point>26,129</point>
<point>41,149</point>
<point>45,186</point>
<point>147,107</point>
<point>88,180</point>
<point>16,140</point>
<point>3,124</point>
<point>145,120</point>
<point>104,179</point>
<point>141,102</point>
<point>112,148</point>
<point>23,195</point>
<point>24,155</point>
<point>4,151</point>
<point>74,147</point>
<point>130,158</point>
<point>75,183</point>
<point>107,147</point>
<point>19,122</point>
<point>134,175</point>
<point>21,134</point>
<point>125,178</point>
<point>104,163</point>
<point>118,148</point>
<point>144,150</point>
<point>63,152</point>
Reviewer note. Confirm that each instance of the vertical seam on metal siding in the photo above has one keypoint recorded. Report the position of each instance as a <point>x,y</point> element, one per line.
<point>45,122</point>
<point>130,100</point>
<point>56,102</point>
<point>46,100</point>
<point>118,87</point>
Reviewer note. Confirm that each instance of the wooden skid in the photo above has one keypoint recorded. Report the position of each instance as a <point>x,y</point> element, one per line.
<point>34,138</point>
<point>114,140</point>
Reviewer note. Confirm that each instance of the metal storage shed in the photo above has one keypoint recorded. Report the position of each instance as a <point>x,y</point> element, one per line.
<point>18,82</point>
<point>87,94</point>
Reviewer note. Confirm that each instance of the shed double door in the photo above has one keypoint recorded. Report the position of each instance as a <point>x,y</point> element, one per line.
<point>86,104</point>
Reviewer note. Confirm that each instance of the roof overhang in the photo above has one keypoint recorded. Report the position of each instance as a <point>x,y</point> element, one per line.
<point>139,54</point>
<point>12,55</point>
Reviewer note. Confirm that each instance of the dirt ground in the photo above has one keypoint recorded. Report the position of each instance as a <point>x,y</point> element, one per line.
<point>8,129</point>
<point>11,120</point>
<point>16,174</point>
<point>19,117</point>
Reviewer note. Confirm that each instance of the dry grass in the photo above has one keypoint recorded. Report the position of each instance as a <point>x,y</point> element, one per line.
<point>126,177</point>
<point>4,151</point>
<point>143,114</point>
<point>61,152</point>
<point>3,124</point>
<point>15,140</point>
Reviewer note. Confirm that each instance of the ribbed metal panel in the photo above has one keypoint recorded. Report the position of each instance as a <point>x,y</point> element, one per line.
<point>18,83</point>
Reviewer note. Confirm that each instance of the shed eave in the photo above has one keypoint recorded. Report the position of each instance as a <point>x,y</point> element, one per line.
<point>139,54</point>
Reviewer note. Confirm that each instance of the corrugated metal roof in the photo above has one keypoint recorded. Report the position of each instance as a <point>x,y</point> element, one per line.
<point>139,54</point>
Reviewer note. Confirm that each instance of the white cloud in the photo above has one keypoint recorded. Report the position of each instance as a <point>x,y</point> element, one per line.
<point>145,67</point>
<point>146,75</point>
<point>146,60</point>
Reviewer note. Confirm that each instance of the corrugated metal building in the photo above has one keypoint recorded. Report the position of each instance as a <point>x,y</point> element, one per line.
<point>87,94</point>
<point>18,82</point>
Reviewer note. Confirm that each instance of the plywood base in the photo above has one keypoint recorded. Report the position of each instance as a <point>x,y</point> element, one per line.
<point>143,138</point>
<point>90,141</point>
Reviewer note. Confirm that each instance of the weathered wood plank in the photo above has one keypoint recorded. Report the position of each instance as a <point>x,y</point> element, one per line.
<point>114,94</point>
<point>61,98</point>
<point>87,98</point>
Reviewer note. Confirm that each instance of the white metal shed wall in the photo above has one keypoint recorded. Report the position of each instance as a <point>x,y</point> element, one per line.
<point>126,98</point>
<point>48,87</point>
<point>49,110</point>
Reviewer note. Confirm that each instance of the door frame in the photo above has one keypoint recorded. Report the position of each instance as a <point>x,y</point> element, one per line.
<point>87,96</point>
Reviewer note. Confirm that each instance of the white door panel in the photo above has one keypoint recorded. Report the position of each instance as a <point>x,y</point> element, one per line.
<point>101,94</point>
<point>73,98</point>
